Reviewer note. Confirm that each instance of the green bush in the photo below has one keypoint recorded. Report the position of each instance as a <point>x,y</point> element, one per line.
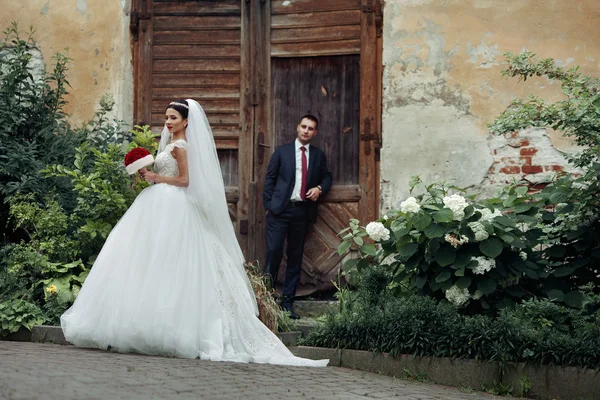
<point>33,129</point>
<point>61,189</point>
<point>449,246</point>
<point>535,332</point>
<point>16,314</point>
<point>569,206</point>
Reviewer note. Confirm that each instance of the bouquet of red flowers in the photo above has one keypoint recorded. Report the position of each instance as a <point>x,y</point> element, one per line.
<point>137,159</point>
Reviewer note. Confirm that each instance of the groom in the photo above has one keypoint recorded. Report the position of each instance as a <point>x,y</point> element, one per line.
<point>296,178</point>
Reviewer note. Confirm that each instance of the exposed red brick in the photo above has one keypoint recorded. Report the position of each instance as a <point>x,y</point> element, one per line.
<point>525,160</point>
<point>532,169</point>
<point>511,170</point>
<point>514,134</point>
<point>510,160</point>
<point>518,143</point>
<point>528,151</point>
<point>555,168</point>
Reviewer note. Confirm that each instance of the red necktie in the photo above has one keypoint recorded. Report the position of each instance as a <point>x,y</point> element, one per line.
<point>304,173</point>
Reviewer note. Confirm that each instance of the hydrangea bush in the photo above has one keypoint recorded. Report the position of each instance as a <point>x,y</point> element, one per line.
<point>477,255</point>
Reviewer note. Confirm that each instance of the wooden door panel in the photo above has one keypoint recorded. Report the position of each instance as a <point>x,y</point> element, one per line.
<point>300,6</point>
<point>329,88</point>
<point>256,66</point>
<point>321,265</point>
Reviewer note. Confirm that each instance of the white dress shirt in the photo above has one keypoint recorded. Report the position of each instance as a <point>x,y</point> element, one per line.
<point>296,192</point>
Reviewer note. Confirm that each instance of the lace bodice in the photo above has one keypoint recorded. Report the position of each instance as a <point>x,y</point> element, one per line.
<point>165,164</point>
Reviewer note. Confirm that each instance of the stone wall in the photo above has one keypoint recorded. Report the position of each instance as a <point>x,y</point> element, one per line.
<point>96,33</point>
<point>442,84</point>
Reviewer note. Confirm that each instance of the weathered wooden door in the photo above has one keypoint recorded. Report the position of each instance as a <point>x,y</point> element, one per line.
<point>256,66</point>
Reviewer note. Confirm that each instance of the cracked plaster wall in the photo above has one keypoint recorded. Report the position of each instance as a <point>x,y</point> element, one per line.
<point>442,84</point>
<point>96,33</point>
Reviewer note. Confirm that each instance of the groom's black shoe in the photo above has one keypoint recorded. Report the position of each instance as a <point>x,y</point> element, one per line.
<point>290,308</point>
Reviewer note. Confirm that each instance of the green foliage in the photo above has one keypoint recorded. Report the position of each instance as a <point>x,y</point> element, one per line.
<point>535,332</point>
<point>577,116</point>
<point>568,208</point>
<point>62,190</point>
<point>17,313</point>
<point>33,130</point>
<point>453,247</point>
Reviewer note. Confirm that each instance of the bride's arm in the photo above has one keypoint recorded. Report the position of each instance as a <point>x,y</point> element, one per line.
<point>182,180</point>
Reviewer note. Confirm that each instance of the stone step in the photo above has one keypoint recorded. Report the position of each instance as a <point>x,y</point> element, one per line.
<point>54,334</point>
<point>315,308</point>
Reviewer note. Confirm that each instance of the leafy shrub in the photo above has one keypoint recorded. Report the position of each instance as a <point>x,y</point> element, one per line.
<point>535,332</point>
<point>33,130</point>
<point>448,246</point>
<point>569,206</point>
<point>17,313</point>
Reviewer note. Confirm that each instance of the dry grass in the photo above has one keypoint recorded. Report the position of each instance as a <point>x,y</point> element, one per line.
<point>269,311</point>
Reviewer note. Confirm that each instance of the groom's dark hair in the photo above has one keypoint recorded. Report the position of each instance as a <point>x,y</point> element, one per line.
<point>181,106</point>
<point>312,118</point>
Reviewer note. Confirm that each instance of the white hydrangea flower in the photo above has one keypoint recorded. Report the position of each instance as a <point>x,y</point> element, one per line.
<point>477,295</point>
<point>455,240</point>
<point>457,204</point>
<point>385,217</point>
<point>484,265</point>
<point>410,205</point>
<point>457,296</point>
<point>523,255</point>
<point>377,231</point>
<point>479,230</point>
<point>487,215</point>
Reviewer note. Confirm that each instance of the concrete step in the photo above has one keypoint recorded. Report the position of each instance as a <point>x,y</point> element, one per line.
<point>54,334</point>
<point>315,308</point>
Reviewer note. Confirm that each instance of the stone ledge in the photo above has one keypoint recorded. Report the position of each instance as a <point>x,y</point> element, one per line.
<point>547,382</point>
<point>54,334</point>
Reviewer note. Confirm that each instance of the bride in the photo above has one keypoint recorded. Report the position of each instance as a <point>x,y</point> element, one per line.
<point>170,278</point>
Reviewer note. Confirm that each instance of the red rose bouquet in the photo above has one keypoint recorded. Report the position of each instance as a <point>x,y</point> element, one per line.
<point>137,159</point>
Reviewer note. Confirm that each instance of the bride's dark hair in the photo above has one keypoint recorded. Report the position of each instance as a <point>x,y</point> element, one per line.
<point>181,106</point>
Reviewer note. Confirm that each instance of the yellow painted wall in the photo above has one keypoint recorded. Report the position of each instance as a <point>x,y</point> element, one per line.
<point>442,80</point>
<point>96,33</point>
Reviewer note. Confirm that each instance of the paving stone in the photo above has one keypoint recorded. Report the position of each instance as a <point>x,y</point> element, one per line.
<point>45,371</point>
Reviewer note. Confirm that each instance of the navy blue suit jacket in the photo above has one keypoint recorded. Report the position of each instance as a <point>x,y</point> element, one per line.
<point>281,178</point>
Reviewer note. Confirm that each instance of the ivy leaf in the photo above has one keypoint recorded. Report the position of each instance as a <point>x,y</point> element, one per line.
<point>443,276</point>
<point>463,282</point>
<point>368,249</point>
<point>563,271</point>
<point>344,247</point>
<point>491,247</point>
<point>487,285</point>
<point>506,221</point>
<point>521,208</point>
<point>443,215</point>
<point>435,231</point>
<point>574,299</point>
<point>408,250</point>
<point>444,256</point>
<point>421,221</point>
<point>461,259</point>
<point>556,294</point>
<point>521,190</point>
<point>351,263</point>
<point>420,281</point>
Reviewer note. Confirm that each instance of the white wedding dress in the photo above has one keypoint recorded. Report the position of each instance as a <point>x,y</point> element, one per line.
<point>164,284</point>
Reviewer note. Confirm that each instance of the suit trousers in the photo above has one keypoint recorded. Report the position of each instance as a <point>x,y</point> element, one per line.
<point>291,223</point>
